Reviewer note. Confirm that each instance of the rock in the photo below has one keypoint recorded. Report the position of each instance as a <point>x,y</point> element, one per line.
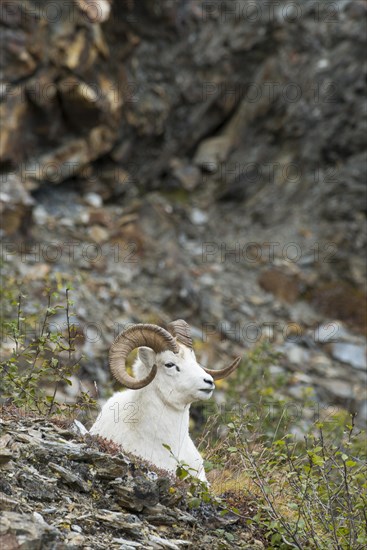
<point>362,413</point>
<point>160,515</point>
<point>242,187</point>
<point>276,370</point>
<point>212,152</point>
<point>40,215</point>
<point>15,204</point>
<point>137,495</point>
<point>115,181</point>
<point>76,540</point>
<point>113,468</point>
<point>322,364</point>
<point>304,314</point>
<point>81,102</point>
<point>58,165</point>
<point>16,55</point>
<point>5,456</point>
<point>7,503</point>
<point>285,287</point>
<point>118,520</point>
<point>78,51</point>
<point>340,389</point>
<point>198,217</point>
<point>127,544</point>
<point>14,110</point>
<point>37,272</point>
<point>23,531</point>
<point>69,477</point>
<point>352,354</point>
<point>329,332</point>
<point>164,543</point>
<point>296,354</point>
<point>149,115</point>
<point>98,234</point>
<point>188,175</point>
<point>342,301</point>
<point>37,487</point>
<point>298,389</point>
<point>38,517</point>
<point>79,428</point>
<point>41,91</point>
<point>93,200</point>
<point>100,141</point>
<point>97,11</point>
<point>259,300</point>
<point>152,100</point>
<point>69,159</point>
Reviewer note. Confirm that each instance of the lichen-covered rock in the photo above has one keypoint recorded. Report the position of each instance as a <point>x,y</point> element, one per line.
<point>26,531</point>
<point>59,490</point>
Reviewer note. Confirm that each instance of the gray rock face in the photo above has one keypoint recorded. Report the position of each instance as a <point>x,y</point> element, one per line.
<point>352,354</point>
<point>26,531</point>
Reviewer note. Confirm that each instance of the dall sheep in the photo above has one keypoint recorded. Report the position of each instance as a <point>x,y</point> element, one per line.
<point>154,412</point>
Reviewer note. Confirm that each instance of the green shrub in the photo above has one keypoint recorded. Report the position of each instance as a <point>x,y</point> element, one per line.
<point>38,358</point>
<point>309,494</point>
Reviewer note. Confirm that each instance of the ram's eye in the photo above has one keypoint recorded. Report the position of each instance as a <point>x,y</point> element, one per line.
<point>169,365</point>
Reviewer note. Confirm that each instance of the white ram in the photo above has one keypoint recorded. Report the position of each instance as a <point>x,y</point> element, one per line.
<point>154,411</point>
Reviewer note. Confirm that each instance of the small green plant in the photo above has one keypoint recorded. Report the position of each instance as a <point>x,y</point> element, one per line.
<point>305,495</point>
<point>198,491</point>
<point>40,359</point>
<point>257,394</point>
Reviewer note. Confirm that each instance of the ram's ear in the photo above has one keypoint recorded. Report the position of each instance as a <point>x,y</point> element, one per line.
<point>146,356</point>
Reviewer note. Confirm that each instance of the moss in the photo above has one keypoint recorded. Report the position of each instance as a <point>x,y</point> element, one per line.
<point>180,196</point>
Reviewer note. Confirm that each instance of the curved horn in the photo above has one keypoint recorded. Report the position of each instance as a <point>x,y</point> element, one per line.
<point>181,330</point>
<point>218,374</point>
<point>152,336</point>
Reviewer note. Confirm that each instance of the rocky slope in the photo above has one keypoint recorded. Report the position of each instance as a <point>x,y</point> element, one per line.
<point>60,491</point>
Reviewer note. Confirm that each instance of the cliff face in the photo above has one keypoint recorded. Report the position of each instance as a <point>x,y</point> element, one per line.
<point>212,153</point>
<point>280,86</point>
<point>147,85</point>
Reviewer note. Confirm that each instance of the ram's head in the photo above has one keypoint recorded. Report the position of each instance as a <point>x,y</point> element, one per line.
<point>166,362</point>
